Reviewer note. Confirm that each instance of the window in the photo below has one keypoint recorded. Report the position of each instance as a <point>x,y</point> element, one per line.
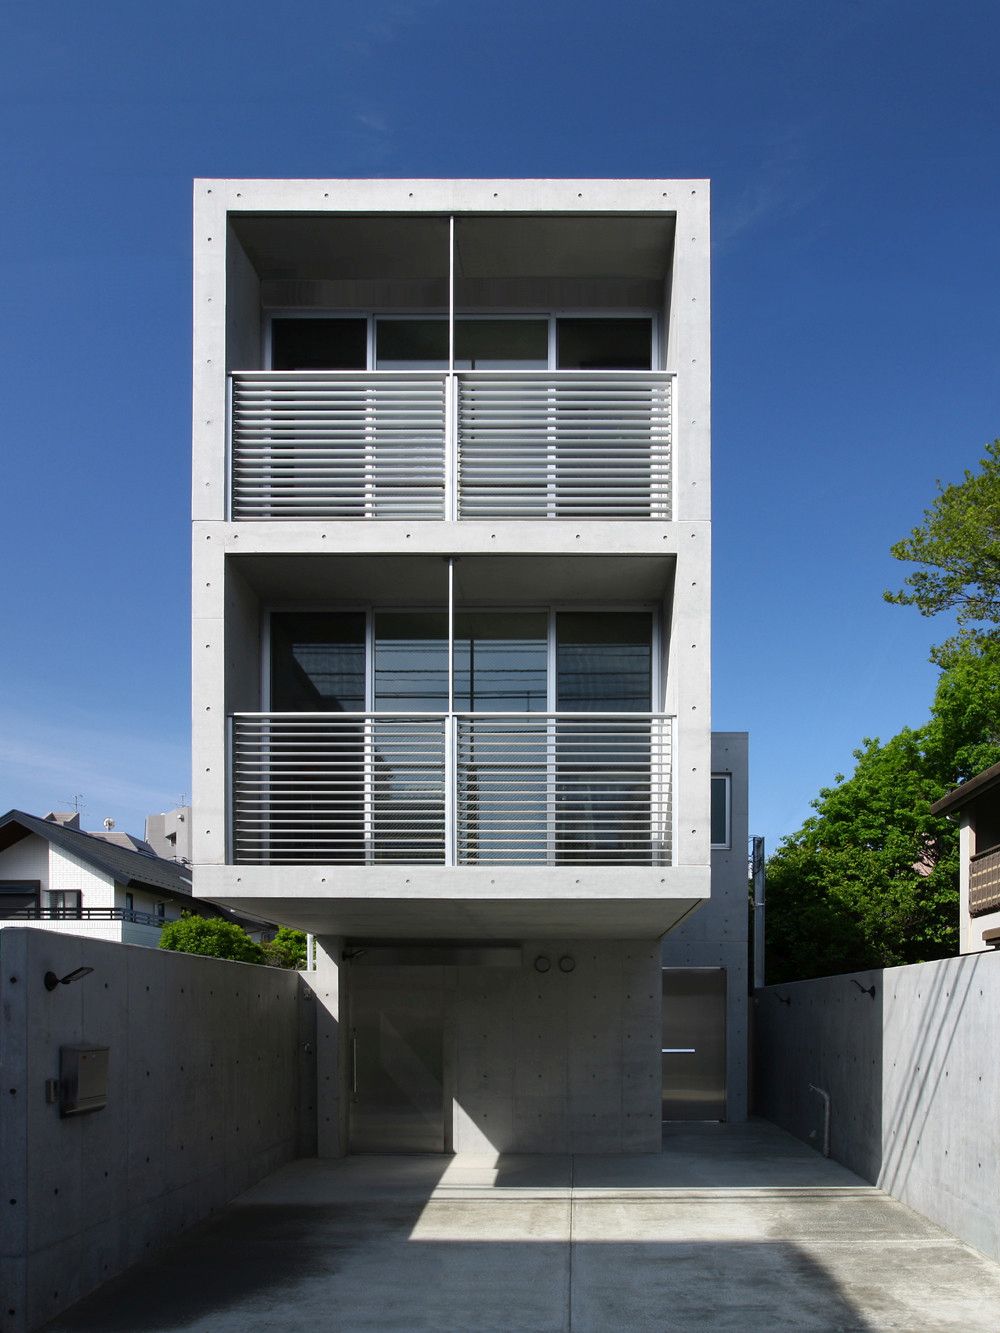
<point>18,897</point>
<point>161,911</point>
<point>64,903</point>
<point>721,810</point>
<point>420,342</point>
<point>602,661</point>
<point>129,902</point>
<point>318,663</point>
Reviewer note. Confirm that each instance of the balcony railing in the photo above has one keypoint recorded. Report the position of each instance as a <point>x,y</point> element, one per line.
<point>984,882</point>
<point>472,444</point>
<point>460,789</point>
<point>81,914</point>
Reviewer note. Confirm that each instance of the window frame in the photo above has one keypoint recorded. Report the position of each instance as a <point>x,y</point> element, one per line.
<point>552,609</point>
<point>727,780</point>
<point>656,347</point>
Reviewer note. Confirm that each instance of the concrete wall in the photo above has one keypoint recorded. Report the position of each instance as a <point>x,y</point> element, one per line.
<point>560,1062</point>
<point>716,935</point>
<point>912,1076</point>
<point>205,1096</point>
<point>536,1062</point>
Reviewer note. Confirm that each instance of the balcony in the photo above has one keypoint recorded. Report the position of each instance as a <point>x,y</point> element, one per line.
<point>451,445</point>
<point>519,789</point>
<point>984,882</point>
<point>82,914</point>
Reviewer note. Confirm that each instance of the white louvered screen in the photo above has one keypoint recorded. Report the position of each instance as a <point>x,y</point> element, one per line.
<point>528,789</point>
<point>338,444</point>
<point>338,789</point>
<point>570,444</point>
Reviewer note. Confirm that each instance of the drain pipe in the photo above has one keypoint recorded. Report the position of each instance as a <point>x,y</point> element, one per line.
<point>826,1117</point>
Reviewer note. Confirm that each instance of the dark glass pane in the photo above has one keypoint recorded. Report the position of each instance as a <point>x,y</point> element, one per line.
<point>501,344</point>
<point>411,344</point>
<point>604,344</point>
<point>318,662</point>
<point>319,344</point>
<point>604,661</point>
<point>411,661</point>
<point>720,811</point>
<point>500,661</point>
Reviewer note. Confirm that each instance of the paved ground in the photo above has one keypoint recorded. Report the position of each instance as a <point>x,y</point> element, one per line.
<point>733,1227</point>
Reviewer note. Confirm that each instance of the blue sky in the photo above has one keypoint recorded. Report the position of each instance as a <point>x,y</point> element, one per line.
<point>853,148</point>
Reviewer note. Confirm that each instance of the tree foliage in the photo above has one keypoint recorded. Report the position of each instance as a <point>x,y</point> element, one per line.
<point>287,949</point>
<point>871,879</point>
<point>212,936</point>
<point>958,549</point>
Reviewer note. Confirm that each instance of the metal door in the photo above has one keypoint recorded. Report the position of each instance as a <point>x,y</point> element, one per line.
<point>396,1057</point>
<point>694,1043</point>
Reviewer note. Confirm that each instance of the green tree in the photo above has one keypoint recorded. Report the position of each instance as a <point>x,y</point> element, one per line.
<point>958,549</point>
<point>212,936</point>
<point>871,879</point>
<point>287,949</point>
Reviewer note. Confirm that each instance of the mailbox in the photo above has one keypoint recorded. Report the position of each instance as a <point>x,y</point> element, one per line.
<point>83,1079</point>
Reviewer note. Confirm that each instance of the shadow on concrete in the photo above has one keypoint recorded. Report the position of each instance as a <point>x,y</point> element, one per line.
<point>731,1227</point>
<point>380,1266</point>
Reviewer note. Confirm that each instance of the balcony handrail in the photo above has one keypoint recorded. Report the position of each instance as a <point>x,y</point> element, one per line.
<point>450,444</point>
<point>400,374</point>
<point>981,856</point>
<point>460,788</point>
<point>443,713</point>
<point>130,914</point>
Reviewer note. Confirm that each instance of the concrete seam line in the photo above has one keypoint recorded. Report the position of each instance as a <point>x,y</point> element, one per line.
<point>572,1208</point>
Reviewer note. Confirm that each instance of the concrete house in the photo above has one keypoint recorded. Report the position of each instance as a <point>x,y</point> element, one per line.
<point>451,533</point>
<point>975,804</point>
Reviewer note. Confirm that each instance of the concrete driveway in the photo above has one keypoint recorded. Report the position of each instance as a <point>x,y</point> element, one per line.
<point>732,1227</point>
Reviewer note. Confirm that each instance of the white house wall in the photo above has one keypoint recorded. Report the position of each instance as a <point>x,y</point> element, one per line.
<point>26,859</point>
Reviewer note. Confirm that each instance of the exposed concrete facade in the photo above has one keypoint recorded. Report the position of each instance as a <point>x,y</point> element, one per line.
<point>534,1062</point>
<point>717,934</point>
<point>210,1088</point>
<point>912,1080</point>
<point>450,250</point>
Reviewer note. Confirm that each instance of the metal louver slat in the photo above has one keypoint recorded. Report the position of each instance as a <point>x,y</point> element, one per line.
<point>567,445</point>
<point>337,444</point>
<point>528,789</point>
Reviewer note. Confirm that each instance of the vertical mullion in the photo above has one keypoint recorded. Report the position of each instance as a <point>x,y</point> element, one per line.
<point>550,745</point>
<point>450,766</point>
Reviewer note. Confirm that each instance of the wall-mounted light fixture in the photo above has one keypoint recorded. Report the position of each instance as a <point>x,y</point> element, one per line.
<point>567,963</point>
<point>52,981</point>
<point>543,962</point>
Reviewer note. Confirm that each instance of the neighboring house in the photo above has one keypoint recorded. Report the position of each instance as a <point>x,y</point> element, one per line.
<point>56,876</point>
<point>169,834</point>
<point>976,806</point>
<point>451,501</point>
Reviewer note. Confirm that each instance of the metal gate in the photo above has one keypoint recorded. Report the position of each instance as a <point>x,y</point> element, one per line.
<point>693,1055</point>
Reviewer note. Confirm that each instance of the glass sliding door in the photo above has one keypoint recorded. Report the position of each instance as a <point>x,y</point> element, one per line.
<point>603,773</point>
<point>410,676</point>
<point>554,746</point>
<point>313,808</point>
<point>501,674</point>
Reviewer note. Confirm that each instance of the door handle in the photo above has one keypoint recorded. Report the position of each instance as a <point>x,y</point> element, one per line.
<point>354,1063</point>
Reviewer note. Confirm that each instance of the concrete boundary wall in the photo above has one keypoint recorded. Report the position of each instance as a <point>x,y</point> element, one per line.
<point>912,1076</point>
<point>209,1090</point>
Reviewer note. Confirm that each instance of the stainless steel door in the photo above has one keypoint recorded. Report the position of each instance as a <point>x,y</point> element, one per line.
<point>396,1057</point>
<point>694,1043</point>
